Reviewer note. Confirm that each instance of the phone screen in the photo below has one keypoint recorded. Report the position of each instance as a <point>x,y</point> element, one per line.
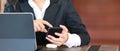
<point>52,30</point>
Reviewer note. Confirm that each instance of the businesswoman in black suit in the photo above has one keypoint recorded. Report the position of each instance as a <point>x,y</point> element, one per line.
<point>53,13</point>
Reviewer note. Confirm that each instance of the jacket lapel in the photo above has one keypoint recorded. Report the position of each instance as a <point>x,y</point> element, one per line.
<point>25,7</point>
<point>51,12</point>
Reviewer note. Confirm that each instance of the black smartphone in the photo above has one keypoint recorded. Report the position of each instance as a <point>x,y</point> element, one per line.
<point>52,30</point>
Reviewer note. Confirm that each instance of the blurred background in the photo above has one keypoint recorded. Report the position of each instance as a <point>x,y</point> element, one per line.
<point>101,17</point>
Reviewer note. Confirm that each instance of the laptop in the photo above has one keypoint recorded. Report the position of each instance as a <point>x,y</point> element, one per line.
<point>17,32</point>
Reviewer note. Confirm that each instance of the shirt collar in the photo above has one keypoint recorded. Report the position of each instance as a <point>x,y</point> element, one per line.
<point>39,14</point>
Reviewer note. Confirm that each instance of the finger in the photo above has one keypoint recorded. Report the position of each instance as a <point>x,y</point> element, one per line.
<point>64,28</point>
<point>51,37</point>
<point>58,34</point>
<point>58,43</point>
<point>36,27</point>
<point>55,39</point>
<point>54,42</point>
<point>47,23</point>
<point>45,30</point>
<point>41,26</point>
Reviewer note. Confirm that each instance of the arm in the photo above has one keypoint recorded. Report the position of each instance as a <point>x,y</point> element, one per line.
<point>75,25</point>
<point>74,32</point>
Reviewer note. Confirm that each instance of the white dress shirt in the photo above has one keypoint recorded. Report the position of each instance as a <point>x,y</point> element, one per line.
<point>39,14</point>
<point>73,39</point>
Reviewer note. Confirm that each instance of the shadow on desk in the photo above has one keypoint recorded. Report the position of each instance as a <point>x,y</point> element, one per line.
<point>105,42</point>
<point>82,48</point>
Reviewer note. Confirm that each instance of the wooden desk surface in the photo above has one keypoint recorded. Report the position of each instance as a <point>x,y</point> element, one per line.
<point>83,48</point>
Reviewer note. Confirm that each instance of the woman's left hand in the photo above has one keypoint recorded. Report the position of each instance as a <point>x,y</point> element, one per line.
<point>63,37</point>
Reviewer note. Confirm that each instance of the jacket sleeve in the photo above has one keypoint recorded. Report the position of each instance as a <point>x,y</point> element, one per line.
<point>75,24</point>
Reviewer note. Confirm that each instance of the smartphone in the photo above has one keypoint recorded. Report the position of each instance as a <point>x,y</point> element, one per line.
<point>52,30</point>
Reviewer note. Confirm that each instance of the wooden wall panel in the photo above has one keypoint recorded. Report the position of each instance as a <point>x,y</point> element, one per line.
<point>101,17</point>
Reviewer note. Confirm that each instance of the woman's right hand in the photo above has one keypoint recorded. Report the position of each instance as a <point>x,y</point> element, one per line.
<point>39,25</point>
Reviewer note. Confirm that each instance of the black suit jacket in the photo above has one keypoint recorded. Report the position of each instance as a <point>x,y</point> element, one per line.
<point>60,12</point>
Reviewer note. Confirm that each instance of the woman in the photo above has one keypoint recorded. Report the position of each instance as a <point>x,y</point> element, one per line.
<point>53,13</point>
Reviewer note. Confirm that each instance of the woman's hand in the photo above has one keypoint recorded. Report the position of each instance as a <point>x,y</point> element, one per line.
<point>39,25</point>
<point>63,37</point>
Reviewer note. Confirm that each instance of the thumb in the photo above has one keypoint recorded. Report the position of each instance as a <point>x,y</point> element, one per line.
<point>64,28</point>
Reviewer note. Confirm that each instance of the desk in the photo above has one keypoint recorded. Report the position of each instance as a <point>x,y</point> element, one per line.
<point>82,48</point>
